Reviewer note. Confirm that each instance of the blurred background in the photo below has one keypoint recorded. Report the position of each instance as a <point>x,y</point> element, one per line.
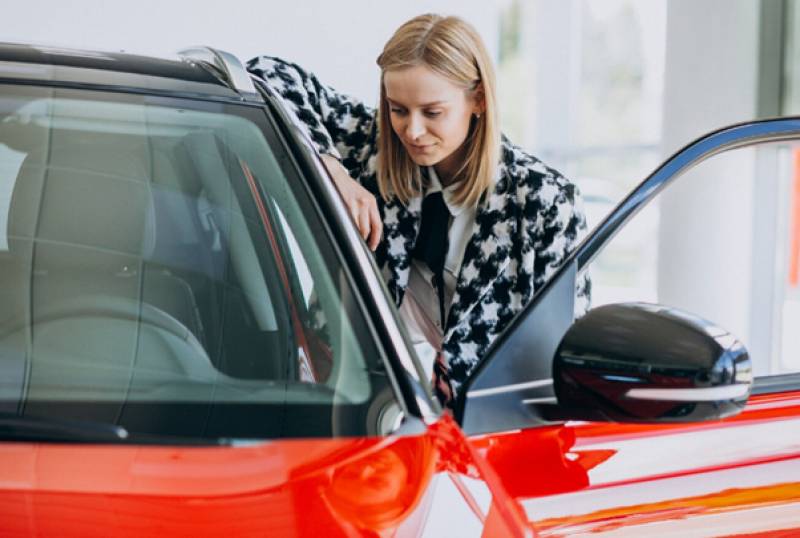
<point>602,90</point>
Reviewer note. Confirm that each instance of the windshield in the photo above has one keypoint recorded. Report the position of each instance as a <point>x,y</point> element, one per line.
<point>162,270</point>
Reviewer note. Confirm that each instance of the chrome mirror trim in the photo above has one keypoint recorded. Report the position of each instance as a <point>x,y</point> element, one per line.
<point>705,394</point>
<point>478,393</point>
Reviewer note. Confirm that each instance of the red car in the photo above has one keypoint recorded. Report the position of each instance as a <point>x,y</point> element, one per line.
<point>194,341</point>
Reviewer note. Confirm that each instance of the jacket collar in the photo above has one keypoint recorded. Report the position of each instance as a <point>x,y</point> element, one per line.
<point>448,193</point>
<point>487,255</point>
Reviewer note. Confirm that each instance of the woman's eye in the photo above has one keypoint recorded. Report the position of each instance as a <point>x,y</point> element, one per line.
<point>432,113</point>
<point>397,110</point>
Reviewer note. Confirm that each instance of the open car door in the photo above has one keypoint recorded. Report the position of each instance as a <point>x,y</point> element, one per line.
<point>640,414</point>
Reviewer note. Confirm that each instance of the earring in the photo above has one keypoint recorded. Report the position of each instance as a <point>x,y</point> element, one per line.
<point>477,115</point>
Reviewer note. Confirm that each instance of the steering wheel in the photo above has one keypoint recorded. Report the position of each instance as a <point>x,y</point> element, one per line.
<point>190,355</point>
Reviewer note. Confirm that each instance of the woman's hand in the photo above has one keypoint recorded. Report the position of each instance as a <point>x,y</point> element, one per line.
<point>361,203</point>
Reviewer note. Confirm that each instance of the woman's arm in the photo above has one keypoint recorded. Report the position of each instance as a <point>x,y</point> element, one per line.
<point>338,124</point>
<point>361,203</point>
<point>340,127</point>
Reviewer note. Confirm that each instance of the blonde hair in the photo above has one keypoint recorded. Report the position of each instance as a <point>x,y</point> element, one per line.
<point>453,49</point>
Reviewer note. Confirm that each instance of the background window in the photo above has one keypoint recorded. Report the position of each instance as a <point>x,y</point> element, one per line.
<point>710,278</point>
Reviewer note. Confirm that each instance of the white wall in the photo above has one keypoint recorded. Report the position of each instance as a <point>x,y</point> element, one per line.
<point>338,40</point>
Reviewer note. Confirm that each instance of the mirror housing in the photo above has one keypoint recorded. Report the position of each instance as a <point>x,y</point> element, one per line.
<point>638,362</point>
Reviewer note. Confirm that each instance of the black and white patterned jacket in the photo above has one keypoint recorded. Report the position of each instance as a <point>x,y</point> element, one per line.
<point>523,229</point>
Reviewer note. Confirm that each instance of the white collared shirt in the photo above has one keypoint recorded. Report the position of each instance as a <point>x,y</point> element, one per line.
<point>420,307</point>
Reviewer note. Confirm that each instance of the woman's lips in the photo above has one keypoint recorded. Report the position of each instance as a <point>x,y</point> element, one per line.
<point>419,148</point>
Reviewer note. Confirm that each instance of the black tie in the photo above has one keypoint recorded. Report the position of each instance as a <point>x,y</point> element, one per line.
<point>431,245</point>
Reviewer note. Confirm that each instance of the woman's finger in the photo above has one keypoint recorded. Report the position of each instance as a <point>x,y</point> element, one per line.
<point>354,214</point>
<point>360,202</point>
<point>363,222</point>
<point>376,227</point>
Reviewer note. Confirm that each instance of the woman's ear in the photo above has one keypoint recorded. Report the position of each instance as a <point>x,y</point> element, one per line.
<point>479,100</point>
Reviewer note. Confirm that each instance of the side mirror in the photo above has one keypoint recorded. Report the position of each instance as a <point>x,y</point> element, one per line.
<point>637,362</point>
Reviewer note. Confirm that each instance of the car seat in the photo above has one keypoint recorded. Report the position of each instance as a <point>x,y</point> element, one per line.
<point>82,305</point>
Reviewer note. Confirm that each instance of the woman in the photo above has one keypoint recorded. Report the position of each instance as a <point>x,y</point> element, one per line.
<point>461,263</point>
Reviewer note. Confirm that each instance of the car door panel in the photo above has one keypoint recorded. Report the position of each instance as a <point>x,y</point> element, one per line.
<point>740,475</point>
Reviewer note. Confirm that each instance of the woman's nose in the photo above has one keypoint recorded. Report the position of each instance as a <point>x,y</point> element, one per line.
<point>415,127</point>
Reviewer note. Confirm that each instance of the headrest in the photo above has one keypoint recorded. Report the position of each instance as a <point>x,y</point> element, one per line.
<point>85,190</point>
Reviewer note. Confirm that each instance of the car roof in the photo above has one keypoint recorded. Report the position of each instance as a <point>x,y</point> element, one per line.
<point>23,63</point>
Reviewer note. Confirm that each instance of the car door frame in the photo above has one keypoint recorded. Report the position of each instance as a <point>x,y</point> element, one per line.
<point>512,385</point>
<point>412,391</point>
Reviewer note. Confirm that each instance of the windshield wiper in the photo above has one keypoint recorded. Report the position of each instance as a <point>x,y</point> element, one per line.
<point>20,428</point>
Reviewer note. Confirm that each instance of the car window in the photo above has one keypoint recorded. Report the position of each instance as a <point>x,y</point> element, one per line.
<point>162,268</point>
<point>721,243</point>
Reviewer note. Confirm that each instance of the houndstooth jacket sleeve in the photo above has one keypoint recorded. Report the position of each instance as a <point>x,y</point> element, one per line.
<point>336,123</point>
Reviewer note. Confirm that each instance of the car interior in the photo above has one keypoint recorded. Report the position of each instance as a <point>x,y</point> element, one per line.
<point>136,272</point>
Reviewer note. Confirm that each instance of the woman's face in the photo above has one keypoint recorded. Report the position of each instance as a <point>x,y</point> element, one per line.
<point>431,116</point>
